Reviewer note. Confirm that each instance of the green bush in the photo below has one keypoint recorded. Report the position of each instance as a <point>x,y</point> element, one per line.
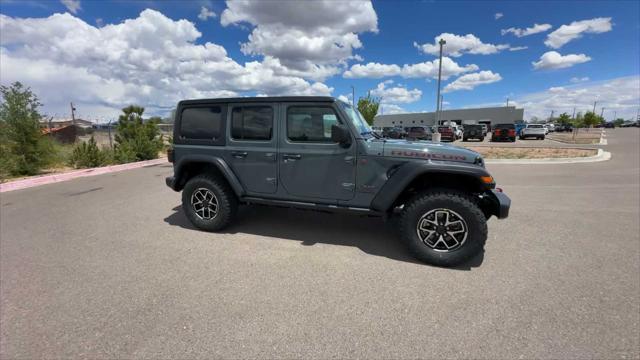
<point>23,148</point>
<point>88,155</point>
<point>136,139</point>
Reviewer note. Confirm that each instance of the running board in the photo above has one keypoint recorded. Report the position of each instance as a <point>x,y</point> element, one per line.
<point>309,206</point>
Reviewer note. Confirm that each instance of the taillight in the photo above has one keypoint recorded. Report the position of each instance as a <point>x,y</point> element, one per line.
<point>497,131</point>
<point>512,132</point>
<point>170,155</point>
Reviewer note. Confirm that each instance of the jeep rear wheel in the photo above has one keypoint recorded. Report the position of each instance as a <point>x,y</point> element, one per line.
<point>443,228</point>
<point>208,203</point>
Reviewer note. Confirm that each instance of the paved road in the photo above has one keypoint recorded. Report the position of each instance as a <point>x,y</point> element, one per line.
<point>108,267</point>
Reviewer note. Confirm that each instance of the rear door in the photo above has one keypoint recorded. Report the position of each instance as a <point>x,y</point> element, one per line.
<point>311,165</point>
<point>252,146</point>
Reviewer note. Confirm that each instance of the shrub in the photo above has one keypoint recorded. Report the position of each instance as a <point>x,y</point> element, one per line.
<point>136,139</point>
<point>23,148</point>
<point>88,155</point>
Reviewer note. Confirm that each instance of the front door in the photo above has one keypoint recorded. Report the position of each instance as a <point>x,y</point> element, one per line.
<point>252,146</point>
<point>311,165</point>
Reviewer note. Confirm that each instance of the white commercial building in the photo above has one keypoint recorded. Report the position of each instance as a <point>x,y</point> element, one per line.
<point>489,116</point>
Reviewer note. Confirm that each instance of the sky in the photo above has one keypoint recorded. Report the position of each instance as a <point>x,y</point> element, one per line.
<point>543,56</point>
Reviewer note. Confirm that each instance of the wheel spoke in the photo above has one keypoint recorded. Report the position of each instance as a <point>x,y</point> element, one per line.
<point>442,230</point>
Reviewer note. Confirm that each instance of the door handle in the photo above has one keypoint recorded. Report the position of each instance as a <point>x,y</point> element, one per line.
<point>292,156</point>
<point>239,154</point>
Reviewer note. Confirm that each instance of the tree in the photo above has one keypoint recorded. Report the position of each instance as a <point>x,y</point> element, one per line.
<point>23,148</point>
<point>564,119</point>
<point>618,122</point>
<point>368,107</point>
<point>591,119</point>
<point>136,139</point>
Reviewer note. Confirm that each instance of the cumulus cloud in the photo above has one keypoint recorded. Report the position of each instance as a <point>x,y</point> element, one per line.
<point>389,109</point>
<point>457,45</point>
<point>72,5</point>
<point>397,94</point>
<point>554,60</point>
<point>150,60</point>
<point>427,69</point>
<point>566,33</point>
<point>311,37</point>
<point>206,13</point>
<point>498,15</point>
<point>619,94</point>
<point>470,81</point>
<point>536,28</point>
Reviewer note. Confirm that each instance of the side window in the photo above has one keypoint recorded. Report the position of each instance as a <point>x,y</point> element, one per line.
<point>252,123</point>
<point>310,123</point>
<point>201,122</point>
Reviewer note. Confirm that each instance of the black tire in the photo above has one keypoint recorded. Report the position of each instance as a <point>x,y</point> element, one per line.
<point>227,204</point>
<point>464,139</point>
<point>459,203</point>
<point>542,138</point>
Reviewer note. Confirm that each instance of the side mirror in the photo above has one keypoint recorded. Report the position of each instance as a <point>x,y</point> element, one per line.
<point>340,134</point>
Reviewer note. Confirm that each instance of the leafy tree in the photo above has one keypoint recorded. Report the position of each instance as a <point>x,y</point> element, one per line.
<point>618,122</point>
<point>564,119</point>
<point>578,121</point>
<point>23,148</point>
<point>136,139</point>
<point>368,107</point>
<point>591,119</point>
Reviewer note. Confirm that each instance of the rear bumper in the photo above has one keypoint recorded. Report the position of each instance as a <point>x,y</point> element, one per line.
<point>498,203</point>
<point>171,182</point>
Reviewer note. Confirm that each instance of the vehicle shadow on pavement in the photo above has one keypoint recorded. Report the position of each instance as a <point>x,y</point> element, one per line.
<point>371,235</point>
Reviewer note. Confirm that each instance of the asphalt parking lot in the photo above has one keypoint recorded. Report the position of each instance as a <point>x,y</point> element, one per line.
<point>109,267</point>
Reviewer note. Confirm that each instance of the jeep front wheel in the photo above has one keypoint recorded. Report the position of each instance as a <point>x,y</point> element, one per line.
<point>208,203</point>
<point>443,228</point>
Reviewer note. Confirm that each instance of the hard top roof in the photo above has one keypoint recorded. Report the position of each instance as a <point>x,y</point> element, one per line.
<point>258,99</point>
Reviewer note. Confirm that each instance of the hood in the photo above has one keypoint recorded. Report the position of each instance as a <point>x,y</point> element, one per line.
<point>429,151</point>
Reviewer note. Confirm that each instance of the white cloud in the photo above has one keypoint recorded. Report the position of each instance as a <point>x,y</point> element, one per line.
<point>554,60</point>
<point>457,45</point>
<point>344,98</point>
<point>566,33</point>
<point>579,79</point>
<point>518,48</point>
<point>536,28</point>
<point>427,69</point>
<point>150,60</point>
<point>304,36</point>
<point>498,15</point>
<point>470,81</point>
<point>206,13</point>
<point>389,109</point>
<point>396,95</point>
<point>620,94</point>
<point>72,5</point>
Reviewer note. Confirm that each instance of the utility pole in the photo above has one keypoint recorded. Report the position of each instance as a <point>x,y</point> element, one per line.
<point>73,114</point>
<point>441,42</point>
<point>602,112</point>
<point>507,102</point>
<point>574,113</point>
<point>353,96</point>
<point>594,107</point>
<point>551,117</point>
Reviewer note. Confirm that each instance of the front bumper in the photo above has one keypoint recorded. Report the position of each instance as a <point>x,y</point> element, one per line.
<point>497,203</point>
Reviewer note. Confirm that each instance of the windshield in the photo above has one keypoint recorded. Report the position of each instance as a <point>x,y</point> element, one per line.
<point>357,120</point>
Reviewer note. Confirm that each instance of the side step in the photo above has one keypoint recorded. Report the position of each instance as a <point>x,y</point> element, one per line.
<point>309,206</point>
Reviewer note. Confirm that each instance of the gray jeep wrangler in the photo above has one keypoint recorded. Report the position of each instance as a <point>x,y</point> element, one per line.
<point>319,153</point>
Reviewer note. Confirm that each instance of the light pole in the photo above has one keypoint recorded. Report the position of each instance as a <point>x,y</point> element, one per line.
<point>441,42</point>
<point>594,107</point>
<point>353,96</point>
<point>507,102</point>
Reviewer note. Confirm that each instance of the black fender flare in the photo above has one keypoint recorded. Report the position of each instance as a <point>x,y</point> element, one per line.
<point>409,171</point>
<point>224,168</point>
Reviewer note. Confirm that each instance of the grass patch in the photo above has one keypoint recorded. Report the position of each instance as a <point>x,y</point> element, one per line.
<point>489,152</point>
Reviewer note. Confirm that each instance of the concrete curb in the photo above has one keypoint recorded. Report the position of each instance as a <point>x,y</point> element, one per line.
<point>600,156</point>
<point>54,178</point>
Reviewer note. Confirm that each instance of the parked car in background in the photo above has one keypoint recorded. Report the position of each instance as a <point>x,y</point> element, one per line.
<point>564,128</point>
<point>473,132</point>
<point>394,132</point>
<point>546,128</point>
<point>504,132</point>
<point>446,133</point>
<point>457,130</point>
<point>609,125</point>
<point>419,133</point>
<point>533,130</point>
<point>551,127</point>
<point>485,129</point>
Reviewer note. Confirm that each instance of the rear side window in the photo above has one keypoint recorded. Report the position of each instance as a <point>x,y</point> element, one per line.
<point>201,123</point>
<point>252,123</point>
<point>310,123</point>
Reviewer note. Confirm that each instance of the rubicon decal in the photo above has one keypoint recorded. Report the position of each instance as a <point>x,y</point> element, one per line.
<point>427,155</point>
